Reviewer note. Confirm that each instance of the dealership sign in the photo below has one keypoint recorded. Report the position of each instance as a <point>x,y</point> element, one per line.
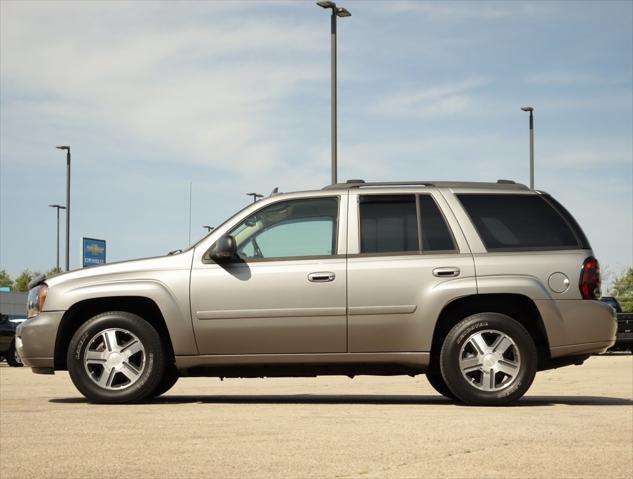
<point>93,252</point>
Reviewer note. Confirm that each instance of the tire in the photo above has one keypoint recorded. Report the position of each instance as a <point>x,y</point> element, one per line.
<point>437,381</point>
<point>170,376</point>
<point>116,357</point>
<point>488,359</point>
<point>12,357</point>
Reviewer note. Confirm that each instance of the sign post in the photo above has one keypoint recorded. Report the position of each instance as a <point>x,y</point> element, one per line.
<point>93,252</point>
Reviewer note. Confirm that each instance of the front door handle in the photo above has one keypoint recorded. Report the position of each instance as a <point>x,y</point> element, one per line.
<point>321,277</point>
<point>449,272</point>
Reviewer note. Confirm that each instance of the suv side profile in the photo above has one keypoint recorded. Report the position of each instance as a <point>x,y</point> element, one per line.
<point>476,285</point>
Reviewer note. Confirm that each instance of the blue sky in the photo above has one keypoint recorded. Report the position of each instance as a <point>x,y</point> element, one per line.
<point>234,96</point>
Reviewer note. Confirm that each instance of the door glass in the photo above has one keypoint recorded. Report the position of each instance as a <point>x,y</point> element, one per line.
<point>435,233</point>
<point>294,228</point>
<point>388,224</point>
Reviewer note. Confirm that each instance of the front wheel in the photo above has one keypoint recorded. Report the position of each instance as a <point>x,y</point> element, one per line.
<point>488,359</point>
<point>116,357</point>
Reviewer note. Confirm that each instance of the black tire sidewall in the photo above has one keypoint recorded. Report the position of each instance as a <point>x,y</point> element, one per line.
<point>10,357</point>
<point>154,358</point>
<point>170,377</point>
<point>436,380</point>
<point>451,348</point>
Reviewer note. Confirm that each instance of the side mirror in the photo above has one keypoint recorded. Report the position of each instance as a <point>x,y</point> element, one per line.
<point>224,248</point>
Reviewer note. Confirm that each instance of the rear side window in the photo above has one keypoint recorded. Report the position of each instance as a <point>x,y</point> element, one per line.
<point>518,222</point>
<point>435,233</point>
<point>388,224</point>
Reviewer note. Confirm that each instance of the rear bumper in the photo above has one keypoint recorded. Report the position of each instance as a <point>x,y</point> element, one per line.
<point>576,327</point>
<point>35,340</point>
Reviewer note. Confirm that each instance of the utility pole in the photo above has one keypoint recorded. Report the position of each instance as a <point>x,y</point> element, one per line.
<point>59,207</point>
<point>531,111</point>
<point>255,196</point>
<point>336,12</point>
<point>67,148</point>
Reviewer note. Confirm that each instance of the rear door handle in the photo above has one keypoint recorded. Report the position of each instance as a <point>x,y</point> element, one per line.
<point>449,272</point>
<point>321,277</point>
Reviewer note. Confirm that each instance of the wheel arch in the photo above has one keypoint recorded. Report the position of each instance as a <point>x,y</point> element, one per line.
<point>82,311</point>
<point>517,306</point>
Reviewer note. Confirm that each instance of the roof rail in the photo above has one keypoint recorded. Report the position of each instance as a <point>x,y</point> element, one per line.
<point>500,184</point>
<point>362,184</point>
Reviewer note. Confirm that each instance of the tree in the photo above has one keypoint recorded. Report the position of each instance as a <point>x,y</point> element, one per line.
<point>53,272</point>
<point>623,290</point>
<point>5,279</point>
<point>22,282</point>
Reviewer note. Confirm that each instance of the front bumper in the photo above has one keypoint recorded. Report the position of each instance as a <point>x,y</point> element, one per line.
<point>35,340</point>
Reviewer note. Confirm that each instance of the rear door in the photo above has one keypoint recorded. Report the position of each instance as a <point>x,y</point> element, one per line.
<point>407,260</point>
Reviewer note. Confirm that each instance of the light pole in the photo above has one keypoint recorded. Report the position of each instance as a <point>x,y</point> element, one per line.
<point>209,228</point>
<point>255,196</point>
<point>531,110</point>
<point>59,207</point>
<point>67,148</point>
<point>336,12</point>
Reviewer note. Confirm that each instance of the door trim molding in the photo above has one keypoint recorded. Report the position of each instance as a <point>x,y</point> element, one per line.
<point>270,313</point>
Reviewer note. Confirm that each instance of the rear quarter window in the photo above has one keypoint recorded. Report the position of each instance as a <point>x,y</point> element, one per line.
<point>515,222</point>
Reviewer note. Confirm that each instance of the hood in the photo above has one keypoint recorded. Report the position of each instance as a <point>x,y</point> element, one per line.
<point>143,266</point>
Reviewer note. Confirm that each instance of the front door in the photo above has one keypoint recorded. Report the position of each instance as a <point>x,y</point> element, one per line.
<point>286,293</point>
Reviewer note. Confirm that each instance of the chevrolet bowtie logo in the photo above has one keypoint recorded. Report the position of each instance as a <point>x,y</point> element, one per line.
<point>95,249</point>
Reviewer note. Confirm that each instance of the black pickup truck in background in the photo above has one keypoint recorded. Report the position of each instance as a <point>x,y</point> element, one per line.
<point>624,340</point>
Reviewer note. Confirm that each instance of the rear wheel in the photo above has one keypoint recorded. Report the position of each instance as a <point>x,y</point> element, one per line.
<point>116,357</point>
<point>488,359</point>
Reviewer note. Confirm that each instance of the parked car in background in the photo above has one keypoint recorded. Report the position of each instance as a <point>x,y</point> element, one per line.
<point>476,285</point>
<point>7,342</point>
<point>624,338</point>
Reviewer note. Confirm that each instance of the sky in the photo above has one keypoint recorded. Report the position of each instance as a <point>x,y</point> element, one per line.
<point>234,97</point>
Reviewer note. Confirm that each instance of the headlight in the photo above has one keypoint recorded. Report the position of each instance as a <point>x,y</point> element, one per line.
<point>35,301</point>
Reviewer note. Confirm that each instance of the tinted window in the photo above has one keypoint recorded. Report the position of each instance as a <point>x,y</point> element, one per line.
<point>571,221</point>
<point>388,224</point>
<point>517,222</point>
<point>435,233</point>
<point>292,228</point>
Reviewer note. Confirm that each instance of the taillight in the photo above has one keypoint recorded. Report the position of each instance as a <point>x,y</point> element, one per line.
<point>590,279</point>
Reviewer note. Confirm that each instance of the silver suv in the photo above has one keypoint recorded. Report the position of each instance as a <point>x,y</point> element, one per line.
<point>476,285</point>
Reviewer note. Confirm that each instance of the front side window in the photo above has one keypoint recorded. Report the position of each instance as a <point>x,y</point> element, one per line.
<point>518,222</point>
<point>388,224</point>
<point>294,228</point>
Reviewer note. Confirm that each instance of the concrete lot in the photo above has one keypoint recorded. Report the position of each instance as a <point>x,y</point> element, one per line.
<point>575,422</point>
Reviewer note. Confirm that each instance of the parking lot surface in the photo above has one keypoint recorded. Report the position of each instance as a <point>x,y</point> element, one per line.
<point>574,422</point>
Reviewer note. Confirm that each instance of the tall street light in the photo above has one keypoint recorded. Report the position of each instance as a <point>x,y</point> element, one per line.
<point>255,196</point>
<point>59,207</point>
<point>67,148</point>
<point>336,12</point>
<point>531,110</point>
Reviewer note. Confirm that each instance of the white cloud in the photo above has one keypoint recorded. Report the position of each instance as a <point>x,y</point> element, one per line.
<point>204,92</point>
<point>562,77</point>
<point>447,99</point>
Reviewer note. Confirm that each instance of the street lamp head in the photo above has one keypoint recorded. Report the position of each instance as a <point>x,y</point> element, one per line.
<point>58,206</point>
<point>341,12</point>
<point>325,4</point>
<point>527,108</point>
<point>63,147</point>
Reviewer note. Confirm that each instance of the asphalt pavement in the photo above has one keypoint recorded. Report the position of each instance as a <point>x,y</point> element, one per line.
<point>575,422</point>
